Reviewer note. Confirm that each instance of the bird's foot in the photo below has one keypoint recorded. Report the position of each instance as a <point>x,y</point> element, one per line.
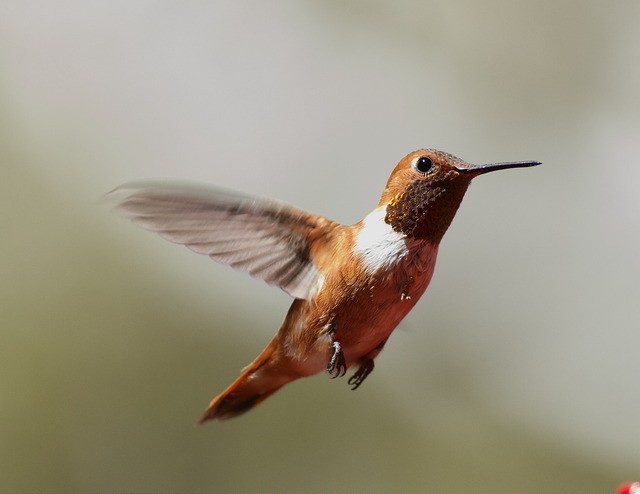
<point>361,374</point>
<point>337,365</point>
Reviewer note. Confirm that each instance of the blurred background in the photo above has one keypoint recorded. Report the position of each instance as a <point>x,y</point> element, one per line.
<point>517,372</point>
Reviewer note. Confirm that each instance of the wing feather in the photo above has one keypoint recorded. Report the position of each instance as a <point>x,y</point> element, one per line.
<point>268,239</point>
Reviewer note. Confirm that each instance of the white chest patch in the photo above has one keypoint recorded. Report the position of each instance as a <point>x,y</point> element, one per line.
<point>379,245</point>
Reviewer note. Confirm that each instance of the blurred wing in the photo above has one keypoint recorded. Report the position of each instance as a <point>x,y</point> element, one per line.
<point>267,239</point>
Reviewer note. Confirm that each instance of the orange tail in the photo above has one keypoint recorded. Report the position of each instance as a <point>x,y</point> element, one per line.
<point>259,380</point>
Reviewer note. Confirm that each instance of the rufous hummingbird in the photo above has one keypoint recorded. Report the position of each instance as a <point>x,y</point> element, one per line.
<point>352,285</point>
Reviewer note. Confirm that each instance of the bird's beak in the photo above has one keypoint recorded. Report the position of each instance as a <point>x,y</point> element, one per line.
<point>490,167</point>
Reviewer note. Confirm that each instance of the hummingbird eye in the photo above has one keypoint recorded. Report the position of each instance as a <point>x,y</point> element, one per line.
<point>423,164</point>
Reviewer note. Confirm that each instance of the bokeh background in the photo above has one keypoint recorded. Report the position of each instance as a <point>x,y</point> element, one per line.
<point>518,372</point>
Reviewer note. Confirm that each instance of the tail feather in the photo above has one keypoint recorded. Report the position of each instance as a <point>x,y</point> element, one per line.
<point>258,381</point>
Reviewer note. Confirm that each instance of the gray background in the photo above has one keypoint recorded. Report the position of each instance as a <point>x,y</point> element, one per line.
<point>517,372</point>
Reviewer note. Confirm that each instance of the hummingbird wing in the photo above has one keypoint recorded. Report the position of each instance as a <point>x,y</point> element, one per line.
<point>268,239</point>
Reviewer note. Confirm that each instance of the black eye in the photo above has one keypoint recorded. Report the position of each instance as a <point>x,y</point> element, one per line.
<point>423,164</point>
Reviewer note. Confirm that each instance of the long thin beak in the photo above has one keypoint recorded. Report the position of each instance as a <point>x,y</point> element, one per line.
<point>490,167</point>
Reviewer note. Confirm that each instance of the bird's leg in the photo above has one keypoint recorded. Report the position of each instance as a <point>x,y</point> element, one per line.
<point>366,366</point>
<point>361,374</point>
<point>337,365</point>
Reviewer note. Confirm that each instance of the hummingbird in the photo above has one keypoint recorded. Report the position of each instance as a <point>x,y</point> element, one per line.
<point>351,284</point>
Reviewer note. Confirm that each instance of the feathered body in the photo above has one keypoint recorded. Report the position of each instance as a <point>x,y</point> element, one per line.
<point>352,284</point>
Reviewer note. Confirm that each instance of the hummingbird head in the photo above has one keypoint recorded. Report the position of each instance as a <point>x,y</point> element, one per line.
<point>426,188</point>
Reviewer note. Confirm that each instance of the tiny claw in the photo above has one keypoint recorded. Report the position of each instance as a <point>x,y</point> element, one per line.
<point>337,366</point>
<point>361,374</point>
